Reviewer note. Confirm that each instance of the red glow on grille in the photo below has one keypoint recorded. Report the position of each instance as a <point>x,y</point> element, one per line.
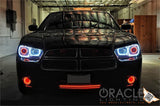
<point>26,80</point>
<point>97,86</point>
<point>131,79</point>
<point>134,50</point>
<point>24,51</point>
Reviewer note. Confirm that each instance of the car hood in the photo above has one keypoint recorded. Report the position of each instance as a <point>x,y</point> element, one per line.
<point>59,38</point>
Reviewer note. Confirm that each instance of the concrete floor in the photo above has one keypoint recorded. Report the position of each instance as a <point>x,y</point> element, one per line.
<point>150,79</point>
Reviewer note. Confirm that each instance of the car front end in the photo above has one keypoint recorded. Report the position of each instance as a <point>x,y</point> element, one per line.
<point>79,68</point>
<point>88,56</point>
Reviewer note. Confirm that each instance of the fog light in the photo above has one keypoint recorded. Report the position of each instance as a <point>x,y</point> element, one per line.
<point>131,79</point>
<point>26,81</point>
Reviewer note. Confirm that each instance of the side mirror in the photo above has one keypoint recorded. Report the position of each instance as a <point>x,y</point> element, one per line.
<point>32,27</point>
<point>126,26</point>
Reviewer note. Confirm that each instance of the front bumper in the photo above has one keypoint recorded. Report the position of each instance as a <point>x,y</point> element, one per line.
<point>116,78</point>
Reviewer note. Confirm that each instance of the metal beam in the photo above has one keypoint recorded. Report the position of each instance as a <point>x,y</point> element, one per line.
<point>35,1</point>
<point>85,6</point>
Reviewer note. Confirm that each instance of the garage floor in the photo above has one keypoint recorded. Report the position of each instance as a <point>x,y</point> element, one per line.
<point>10,94</point>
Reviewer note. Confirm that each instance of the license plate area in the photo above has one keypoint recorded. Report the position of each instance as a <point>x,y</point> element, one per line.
<point>78,79</point>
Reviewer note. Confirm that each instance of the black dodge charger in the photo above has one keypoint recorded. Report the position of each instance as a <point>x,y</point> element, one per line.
<point>78,50</point>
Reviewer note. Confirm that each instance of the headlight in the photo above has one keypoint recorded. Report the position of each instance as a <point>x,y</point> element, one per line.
<point>29,54</point>
<point>128,53</point>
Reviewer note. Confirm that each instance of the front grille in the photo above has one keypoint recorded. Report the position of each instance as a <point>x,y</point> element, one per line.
<point>95,52</point>
<point>98,64</point>
<point>78,59</point>
<point>59,65</point>
<point>61,53</point>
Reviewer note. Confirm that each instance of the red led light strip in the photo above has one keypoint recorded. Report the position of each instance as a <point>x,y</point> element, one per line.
<point>96,86</point>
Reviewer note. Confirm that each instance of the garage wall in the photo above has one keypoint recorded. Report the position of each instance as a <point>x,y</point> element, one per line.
<point>147,7</point>
<point>158,24</point>
<point>31,14</point>
<point>8,39</point>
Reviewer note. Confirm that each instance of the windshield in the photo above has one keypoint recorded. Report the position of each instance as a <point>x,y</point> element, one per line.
<point>78,19</point>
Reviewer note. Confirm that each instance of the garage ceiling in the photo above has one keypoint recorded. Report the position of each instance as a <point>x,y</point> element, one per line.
<point>110,5</point>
